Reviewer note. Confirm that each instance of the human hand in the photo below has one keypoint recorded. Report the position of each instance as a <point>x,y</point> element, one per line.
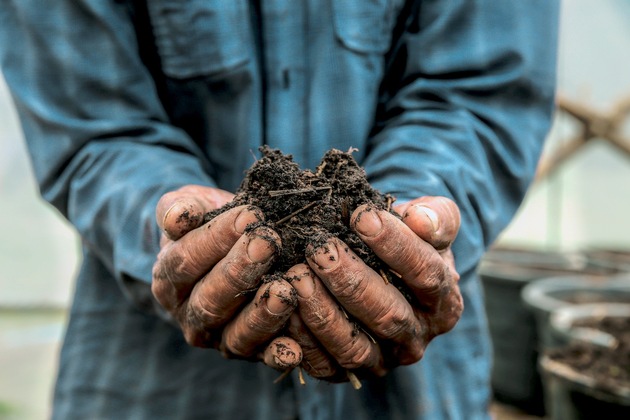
<point>205,274</point>
<point>384,329</point>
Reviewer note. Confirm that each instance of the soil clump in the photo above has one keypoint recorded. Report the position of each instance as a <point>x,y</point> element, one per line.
<point>308,208</point>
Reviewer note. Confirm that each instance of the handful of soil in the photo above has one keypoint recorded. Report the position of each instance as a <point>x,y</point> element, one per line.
<point>306,207</point>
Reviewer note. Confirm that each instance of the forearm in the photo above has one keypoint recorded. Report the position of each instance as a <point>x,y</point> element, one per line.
<point>112,189</point>
<point>468,118</point>
<point>102,147</point>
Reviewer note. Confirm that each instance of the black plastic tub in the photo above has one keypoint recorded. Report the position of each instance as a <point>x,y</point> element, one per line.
<point>504,273</point>
<point>572,392</point>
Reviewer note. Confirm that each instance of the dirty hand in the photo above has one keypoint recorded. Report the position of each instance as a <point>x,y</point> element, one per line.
<point>205,275</point>
<point>378,328</point>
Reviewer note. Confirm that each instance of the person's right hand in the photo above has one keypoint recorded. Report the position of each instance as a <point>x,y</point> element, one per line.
<point>350,318</point>
<point>205,277</point>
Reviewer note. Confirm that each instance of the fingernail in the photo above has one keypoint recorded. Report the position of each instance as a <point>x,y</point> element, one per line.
<point>166,214</point>
<point>245,218</point>
<point>368,222</point>
<point>280,297</point>
<point>304,285</point>
<point>185,216</point>
<point>260,250</point>
<point>326,256</point>
<point>275,305</point>
<point>431,215</point>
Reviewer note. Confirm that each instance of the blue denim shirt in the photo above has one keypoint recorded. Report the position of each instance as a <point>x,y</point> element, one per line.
<point>123,100</point>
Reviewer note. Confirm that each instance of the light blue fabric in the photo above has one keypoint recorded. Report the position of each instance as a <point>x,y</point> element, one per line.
<point>122,101</point>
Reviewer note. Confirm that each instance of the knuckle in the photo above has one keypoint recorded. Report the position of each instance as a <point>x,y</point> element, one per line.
<point>414,354</point>
<point>410,352</point>
<point>190,336</point>
<point>394,323</point>
<point>163,289</point>
<point>233,271</point>
<point>450,312</point>
<point>159,269</point>
<point>317,363</point>
<point>432,274</point>
<point>176,262</point>
<point>160,291</point>
<point>318,317</point>
<point>448,323</point>
<point>322,371</point>
<point>357,357</point>
<point>351,287</point>
<point>238,275</point>
<point>187,263</point>
<point>202,314</point>
<point>234,347</point>
<point>194,336</point>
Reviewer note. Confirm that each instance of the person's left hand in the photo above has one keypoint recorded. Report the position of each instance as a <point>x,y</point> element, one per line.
<point>207,277</point>
<point>351,319</point>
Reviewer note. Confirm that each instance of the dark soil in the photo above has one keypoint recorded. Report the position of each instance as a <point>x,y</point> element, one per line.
<point>306,207</point>
<point>609,367</point>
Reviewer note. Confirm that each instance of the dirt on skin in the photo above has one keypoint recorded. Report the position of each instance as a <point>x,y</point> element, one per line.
<point>306,207</point>
<point>609,367</point>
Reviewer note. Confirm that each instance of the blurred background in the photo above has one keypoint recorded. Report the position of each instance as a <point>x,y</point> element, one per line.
<point>581,200</point>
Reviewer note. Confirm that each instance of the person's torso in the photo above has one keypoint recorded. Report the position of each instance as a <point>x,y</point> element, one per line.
<point>301,76</point>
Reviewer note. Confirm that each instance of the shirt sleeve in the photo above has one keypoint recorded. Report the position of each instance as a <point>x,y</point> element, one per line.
<point>101,145</point>
<point>466,109</point>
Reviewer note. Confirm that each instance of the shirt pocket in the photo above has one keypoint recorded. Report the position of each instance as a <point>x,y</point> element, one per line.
<point>200,37</point>
<point>364,26</point>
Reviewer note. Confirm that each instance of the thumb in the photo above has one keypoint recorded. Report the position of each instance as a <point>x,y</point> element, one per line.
<point>180,211</point>
<point>434,219</point>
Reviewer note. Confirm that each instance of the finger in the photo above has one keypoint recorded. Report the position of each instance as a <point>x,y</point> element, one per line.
<point>342,338</point>
<point>421,267</point>
<point>445,313</point>
<point>434,219</point>
<point>217,297</point>
<point>315,361</point>
<point>416,261</point>
<point>182,263</point>
<point>380,307</point>
<point>260,320</point>
<point>282,353</point>
<point>178,212</point>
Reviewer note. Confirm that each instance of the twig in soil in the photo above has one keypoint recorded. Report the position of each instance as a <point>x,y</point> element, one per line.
<point>311,366</point>
<point>320,169</point>
<point>344,312</point>
<point>390,201</point>
<point>301,376</point>
<point>282,376</point>
<point>356,384</point>
<point>254,155</point>
<point>295,213</point>
<point>385,278</point>
<point>368,334</point>
<point>339,165</point>
<point>278,193</point>
<point>395,273</point>
<point>245,292</point>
